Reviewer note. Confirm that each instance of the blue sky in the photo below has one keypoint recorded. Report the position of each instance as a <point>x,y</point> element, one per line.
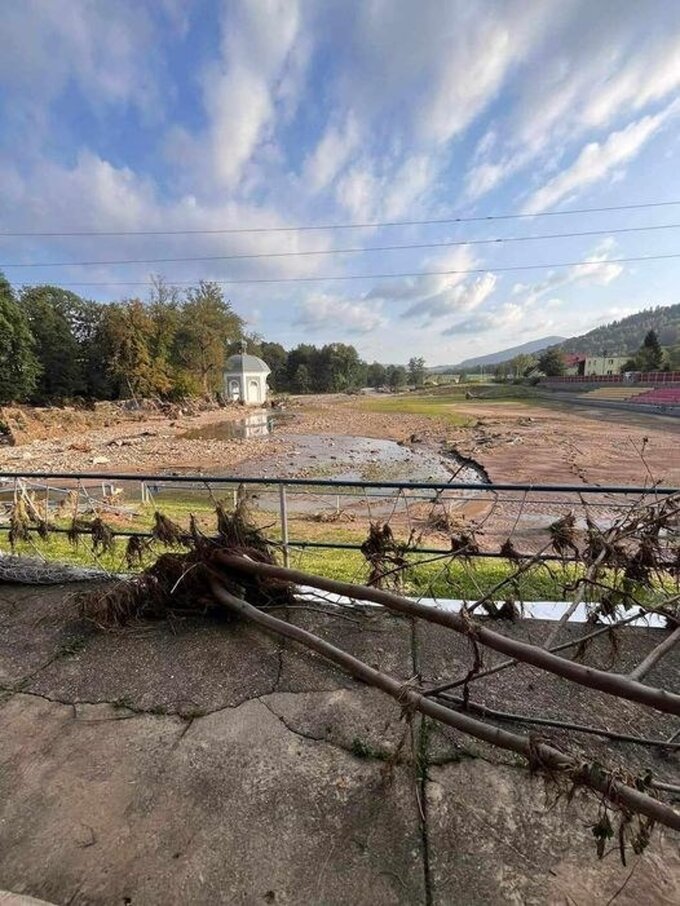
<point>206,115</point>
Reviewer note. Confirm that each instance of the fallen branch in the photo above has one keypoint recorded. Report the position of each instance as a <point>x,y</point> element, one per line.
<point>655,655</point>
<point>511,662</point>
<point>610,683</point>
<point>484,711</point>
<point>577,599</point>
<point>540,755</point>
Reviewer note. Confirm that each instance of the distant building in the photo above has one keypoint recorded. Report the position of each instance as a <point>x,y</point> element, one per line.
<point>602,365</point>
<point>574,362</point>
<point>245,378</point>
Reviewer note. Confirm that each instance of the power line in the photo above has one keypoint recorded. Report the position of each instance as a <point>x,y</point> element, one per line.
<point>46,234</point>
<point>329,277</point>
<point>343,251</point>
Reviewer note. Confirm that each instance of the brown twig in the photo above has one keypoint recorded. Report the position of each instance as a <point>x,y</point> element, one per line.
<point>484,711</point>
<point>579,594</point>
<point>655,655</point>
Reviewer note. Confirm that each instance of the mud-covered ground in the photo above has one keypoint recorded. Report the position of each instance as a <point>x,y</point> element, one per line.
<point>512,441</point>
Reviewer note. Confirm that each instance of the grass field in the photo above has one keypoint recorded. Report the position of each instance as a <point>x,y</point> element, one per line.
<point>449,402</point>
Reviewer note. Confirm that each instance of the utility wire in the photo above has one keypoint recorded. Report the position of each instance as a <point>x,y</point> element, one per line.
<point>45,234</point>
<point>343,251</point>
<point>328,277</point>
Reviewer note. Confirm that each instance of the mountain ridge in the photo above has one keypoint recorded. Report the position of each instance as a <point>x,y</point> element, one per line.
<point>621,337</point>
<point>495,358</point>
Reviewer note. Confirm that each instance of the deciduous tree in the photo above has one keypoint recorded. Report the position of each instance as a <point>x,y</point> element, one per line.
<point>19,366</point>
<point>416,371</point>
<point>552,362</point>
<point>396,377</point>
<point>207,323</point>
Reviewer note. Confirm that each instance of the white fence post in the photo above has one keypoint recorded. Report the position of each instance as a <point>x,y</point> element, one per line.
<point>283,503</point>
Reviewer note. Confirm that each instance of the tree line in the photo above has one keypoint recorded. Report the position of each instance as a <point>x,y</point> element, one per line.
<point>650,356</point>
<point>623,336</point>
<point>56,346</point>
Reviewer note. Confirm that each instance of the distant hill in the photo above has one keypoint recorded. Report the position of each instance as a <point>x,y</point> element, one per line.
<point>494,358</point>
<point>625,336</point>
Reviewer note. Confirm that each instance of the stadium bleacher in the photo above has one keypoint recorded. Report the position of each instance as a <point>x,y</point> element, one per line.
<point>659,396</point>
<point>616,392</point>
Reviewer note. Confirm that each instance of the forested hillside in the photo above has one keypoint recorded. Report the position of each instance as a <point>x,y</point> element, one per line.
<point>625,336</point>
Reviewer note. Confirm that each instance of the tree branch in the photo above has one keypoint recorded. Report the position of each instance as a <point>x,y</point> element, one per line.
<point>655,655</point>
<point>483,711</point>
<point>610,683</point>
<point>503,665</point>
<point>539,754</point>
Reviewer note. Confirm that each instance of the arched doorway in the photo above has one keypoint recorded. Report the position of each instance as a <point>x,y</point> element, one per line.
<point>254,391</point>
<point>234,390</point>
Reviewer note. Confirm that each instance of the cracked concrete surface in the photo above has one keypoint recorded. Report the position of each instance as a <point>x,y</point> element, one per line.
<point>209,763</point>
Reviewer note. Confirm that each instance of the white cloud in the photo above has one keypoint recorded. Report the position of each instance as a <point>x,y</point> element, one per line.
<point>507,316</point>
<point>109,51</point>
<point>484,177</point>
<point>258,76</point>
<point>596,268</point>
<point>460,297</point>
<point>439,64</point>
<point>106,197</point>
<point>358,191</point>
<point>616,313</point>
<point>385,188</point>
<point>331,153</point>
<point>323,311</point>
<point>410,182</point>
<point>588,79</point>
<point>597,160</point>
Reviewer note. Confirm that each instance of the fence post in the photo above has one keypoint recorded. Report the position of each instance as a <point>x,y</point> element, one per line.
<point>283,503</point>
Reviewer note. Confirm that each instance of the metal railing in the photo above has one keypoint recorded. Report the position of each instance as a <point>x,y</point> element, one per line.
<point>508,509</point>
<point>629,378</point>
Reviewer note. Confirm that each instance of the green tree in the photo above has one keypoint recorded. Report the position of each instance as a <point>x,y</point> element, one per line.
<point>521,365</point>
<point>551,362</point>
<point>650,355</point>
<point>206,325</point>
<point>164,309</point>
<point>125,340</point>
<point>19,368</point>
<point>301,380</point>
<point>277,358</point>
<point>674,357</point>
<point>307,355</point>
<point>339,368</point>
<point>416,371</point>
<point>396,377</point>
<point>502,371</point>
<point>60,322</point>
<point>376,375</point>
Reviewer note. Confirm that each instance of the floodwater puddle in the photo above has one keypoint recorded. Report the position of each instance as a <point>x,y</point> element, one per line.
<point>338,458</point>
<point>260,424</point>
<point>347,458</point>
